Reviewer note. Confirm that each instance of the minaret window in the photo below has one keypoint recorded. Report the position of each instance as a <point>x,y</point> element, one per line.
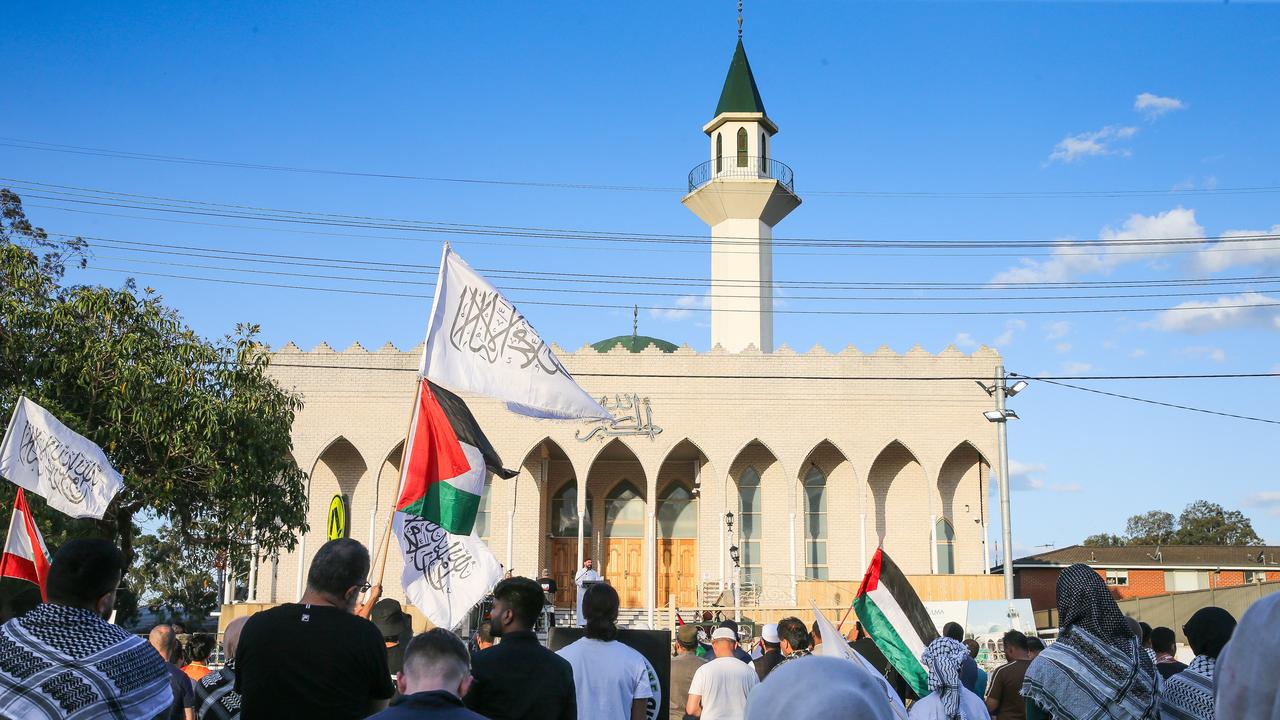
<point>742,147</point>
<point>764,150</point>
<point>719,152</point>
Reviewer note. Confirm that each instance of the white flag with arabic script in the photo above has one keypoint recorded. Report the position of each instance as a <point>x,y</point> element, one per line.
<point>478,342</point>
<point>833,645</point>
<point>47,458</point>
<point>444,575</point>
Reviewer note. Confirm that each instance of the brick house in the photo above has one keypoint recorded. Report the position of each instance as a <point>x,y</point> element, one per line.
<point>1146,570</point>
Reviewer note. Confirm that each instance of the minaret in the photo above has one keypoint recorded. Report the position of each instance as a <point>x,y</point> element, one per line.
<point>742,192</point>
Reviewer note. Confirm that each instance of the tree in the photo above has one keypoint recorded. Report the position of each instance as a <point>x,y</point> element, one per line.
<point>198,429</point>
<point>1201,523</point>
<point>1206,523</point>
<point>1103,540</point>
<point>177,576</point>
<point>1150,528</point>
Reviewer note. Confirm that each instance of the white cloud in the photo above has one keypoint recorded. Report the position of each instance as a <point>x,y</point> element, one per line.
<point>685,305</point>
<point>1059,329</point>
<point>1026,476</point>
<point>1076,368</point>
<point>1201,351</point>
<point>1268,499</point>
<point>965,340</point>
<point>1137,353</point>
<point>1220,256</point>
<point>1062,347</point>
<point>1231,311</point>
<point>1087,144</point>
<point>1071,260</point>
<point>1011,328</point>
<point>1153,106</point>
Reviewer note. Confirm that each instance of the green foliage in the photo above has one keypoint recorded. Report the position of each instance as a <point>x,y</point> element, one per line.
<point>177,576</point>
<point>1103,540</point>
<point>197,428</point>
<point>1201,523</point>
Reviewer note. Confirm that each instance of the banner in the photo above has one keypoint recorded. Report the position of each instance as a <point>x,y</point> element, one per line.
<point>478,342</point>
<point>444,574</point>
<point>45,457</point>
<point>834,645</point>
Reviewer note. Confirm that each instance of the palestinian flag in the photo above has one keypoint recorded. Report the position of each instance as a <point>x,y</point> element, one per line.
<point>892,614</point>
<point>444,464</point>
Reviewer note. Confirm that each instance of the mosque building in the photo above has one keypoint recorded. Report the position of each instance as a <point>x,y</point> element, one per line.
<point>746,467</point>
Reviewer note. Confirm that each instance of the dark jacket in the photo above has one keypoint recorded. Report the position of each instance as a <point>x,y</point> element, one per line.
<point>435,704</point>
<point>766,662</point>
<point>519,679</point>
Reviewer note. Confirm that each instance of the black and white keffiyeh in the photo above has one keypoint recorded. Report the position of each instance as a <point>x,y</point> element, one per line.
<point>64,662</point>
<point>1097,668</point>
<point>1189,694</point>
<point>943,659</point>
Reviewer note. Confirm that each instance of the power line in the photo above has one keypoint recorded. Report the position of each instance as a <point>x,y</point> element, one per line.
<point>1155,402</point>
<point>783,311</point>
<point>196,207</point>
<point>35,145</point>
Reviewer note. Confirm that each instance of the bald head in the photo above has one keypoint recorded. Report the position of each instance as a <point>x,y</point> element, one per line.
<point>231,637</point>
<point>164,640</point>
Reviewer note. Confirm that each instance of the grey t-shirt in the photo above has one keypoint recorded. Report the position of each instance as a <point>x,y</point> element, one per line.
<point>682,669</point>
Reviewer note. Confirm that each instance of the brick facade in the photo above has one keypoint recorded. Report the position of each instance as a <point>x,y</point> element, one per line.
<point>1039,584</point>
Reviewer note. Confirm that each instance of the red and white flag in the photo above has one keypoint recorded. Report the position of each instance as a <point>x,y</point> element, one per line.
<point>25,556</point>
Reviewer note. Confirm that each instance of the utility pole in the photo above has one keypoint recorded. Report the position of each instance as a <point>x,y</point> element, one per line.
<point>1001,391</point>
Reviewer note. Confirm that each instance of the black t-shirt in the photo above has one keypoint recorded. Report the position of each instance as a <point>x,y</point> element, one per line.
<point>548,585</point>
<point>311,661</point>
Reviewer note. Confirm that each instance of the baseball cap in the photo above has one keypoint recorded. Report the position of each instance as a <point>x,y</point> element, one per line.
<point>724,633</point>
<point>687,634</point>
<point>769,633</point>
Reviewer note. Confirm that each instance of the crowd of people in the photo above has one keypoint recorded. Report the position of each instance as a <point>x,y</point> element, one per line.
<point>327,657</point>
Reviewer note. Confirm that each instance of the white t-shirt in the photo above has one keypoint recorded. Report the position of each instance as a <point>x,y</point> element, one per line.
<point>723,684</point>
<point>972,707</point>
<point>608,676</point>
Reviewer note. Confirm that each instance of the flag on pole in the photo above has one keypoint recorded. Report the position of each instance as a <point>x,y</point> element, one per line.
<point>44,456</point>
<point>443,470</point>
<point>447,567</point>
<point>833,645</point>
<point>25,556</point>
<point>478,342</point>
<point>892,614</point>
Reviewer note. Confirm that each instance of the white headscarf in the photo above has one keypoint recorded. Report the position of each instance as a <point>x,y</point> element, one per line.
<point>818,687</point>
<point>1247,668</point>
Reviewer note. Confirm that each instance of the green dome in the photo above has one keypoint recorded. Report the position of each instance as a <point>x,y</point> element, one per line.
<point>634,343</point>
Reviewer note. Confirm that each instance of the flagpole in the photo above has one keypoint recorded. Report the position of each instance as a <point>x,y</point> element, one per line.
<point>404,466</point>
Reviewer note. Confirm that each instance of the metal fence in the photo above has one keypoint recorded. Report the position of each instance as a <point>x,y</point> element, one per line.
<point>740,167</point>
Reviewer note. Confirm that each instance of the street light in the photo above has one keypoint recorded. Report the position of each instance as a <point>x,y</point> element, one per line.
<point>1001,416</point>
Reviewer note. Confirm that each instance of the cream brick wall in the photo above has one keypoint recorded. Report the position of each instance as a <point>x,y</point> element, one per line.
<point>898,453</point>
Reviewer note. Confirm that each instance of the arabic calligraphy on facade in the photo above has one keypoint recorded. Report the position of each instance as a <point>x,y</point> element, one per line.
<point>632,416</point>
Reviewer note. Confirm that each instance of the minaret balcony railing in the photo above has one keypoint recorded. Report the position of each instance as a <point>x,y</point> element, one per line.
<point>741,167</point>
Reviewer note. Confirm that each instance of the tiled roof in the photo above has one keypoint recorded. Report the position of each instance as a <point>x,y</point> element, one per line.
<point>1208,556</point>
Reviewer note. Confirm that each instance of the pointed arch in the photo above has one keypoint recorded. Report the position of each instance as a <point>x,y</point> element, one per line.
<point>945,534</point>
<point>624,511</point>
<point>819,481</point>
<point>896,480</point>
<point>743,152</point>
<point>719,152</point>
<point>962,480</point>
<point>750,472</point>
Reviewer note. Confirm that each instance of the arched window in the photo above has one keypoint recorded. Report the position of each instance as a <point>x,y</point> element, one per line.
<point>815,524</point>
<point>742,147</point>
<point>624,512</point>
<point>749,525</point>
<point>719,152</point>
<point>764,150</point>
<point>677,513</point>
<point>482,513</point>
<point>946,547</point>
<point>564,513</point>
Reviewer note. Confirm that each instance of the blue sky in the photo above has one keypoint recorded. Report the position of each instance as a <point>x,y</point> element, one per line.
<point>943,98</point>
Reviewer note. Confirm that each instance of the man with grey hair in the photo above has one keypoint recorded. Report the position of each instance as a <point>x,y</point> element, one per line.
<point>436,674</point>
<point>315,658</point>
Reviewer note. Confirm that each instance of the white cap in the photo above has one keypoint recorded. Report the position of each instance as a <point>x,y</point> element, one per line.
<point>724,633</point>
<point>769,633</point>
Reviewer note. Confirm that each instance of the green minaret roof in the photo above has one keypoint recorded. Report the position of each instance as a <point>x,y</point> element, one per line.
<point>634,343</point>
<point>740,93</point>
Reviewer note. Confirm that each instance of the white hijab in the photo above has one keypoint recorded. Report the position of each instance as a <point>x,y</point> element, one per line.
<point>1249,665</point>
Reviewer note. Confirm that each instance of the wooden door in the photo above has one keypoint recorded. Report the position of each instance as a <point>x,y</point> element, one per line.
<point>624,569</point>
<point>678,571</point>
<point>564,565</point>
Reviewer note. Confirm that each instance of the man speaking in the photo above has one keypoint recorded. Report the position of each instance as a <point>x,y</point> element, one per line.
<point>585,575</point>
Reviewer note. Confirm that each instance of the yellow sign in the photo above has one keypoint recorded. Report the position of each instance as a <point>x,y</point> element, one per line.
<point>337,517</point>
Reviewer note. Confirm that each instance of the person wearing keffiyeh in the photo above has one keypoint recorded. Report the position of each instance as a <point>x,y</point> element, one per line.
<point>947,698</point>
<point>1245,674</point>
<point>1097,668</point>
<point>1189,694</point>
